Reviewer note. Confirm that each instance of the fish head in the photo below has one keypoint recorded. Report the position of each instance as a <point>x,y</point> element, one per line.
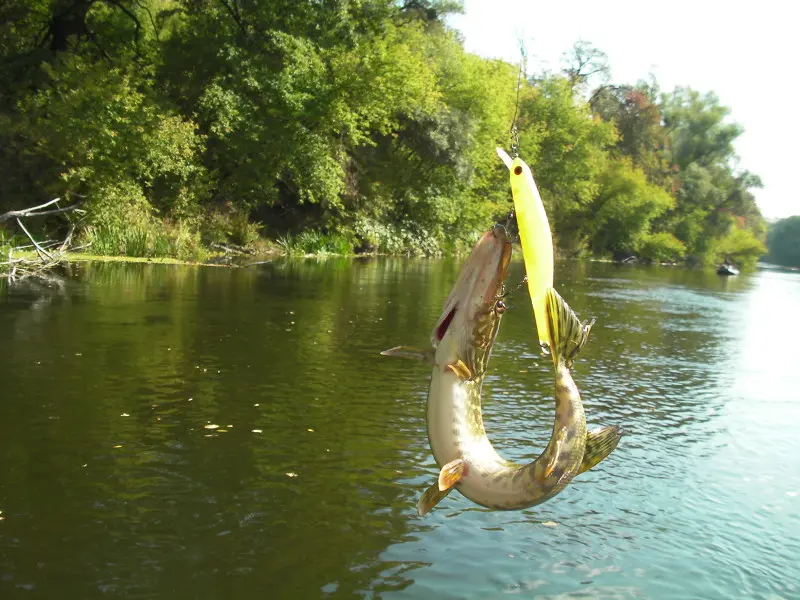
<point>472,312</point>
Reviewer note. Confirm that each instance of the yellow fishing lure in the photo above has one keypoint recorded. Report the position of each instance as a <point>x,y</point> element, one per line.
<point>535,237</point>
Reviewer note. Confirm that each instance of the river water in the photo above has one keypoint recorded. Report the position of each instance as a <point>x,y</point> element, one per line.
<point>180,432</point>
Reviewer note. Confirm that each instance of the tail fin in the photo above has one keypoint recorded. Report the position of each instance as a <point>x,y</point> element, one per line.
<point>567,334</point>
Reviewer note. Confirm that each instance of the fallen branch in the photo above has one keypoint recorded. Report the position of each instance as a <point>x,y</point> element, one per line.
<point>231,248</point>
<point>42,252</point>
<point>33,212</point>
<point>20,268</point>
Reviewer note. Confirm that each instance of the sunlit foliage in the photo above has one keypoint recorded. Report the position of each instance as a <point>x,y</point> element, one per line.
<point>349,125</point>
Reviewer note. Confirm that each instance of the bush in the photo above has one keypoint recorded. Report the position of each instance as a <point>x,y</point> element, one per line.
<point>230,226</point>
<point>661,247</point>
<point>121,223</point>
<point>739,245</point>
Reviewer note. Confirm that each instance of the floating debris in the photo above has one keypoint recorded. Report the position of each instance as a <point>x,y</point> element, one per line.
<point>549,523</point>
<point>311,430</point>
<point>118,446</point>
<point>125,415</point>
<point>256,431</point>
<point>211,426</point>
<point>290,474</point>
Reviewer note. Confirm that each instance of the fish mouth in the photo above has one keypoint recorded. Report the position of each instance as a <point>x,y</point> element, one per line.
<point>479,285</point>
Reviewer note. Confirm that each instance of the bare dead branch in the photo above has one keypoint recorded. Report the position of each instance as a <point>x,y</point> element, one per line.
<point>65,244</point>
<point>19,268</point>
<point>35,211</point>
<point>41,251</point>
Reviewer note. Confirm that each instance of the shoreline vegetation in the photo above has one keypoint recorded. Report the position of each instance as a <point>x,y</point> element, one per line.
<point>306,128</point>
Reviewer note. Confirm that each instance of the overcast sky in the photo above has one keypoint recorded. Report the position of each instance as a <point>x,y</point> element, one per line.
<point>745,52</point>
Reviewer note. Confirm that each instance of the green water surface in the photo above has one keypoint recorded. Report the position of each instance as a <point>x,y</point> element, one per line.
<point>203,433</point>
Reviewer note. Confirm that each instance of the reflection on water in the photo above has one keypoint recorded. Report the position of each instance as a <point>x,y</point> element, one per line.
<point>195,432</point>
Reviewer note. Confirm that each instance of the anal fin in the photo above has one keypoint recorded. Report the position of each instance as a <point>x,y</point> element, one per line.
<point>426,354</point>
<point>451,473</point>
<point>430,498</point>
<point>599,444</point>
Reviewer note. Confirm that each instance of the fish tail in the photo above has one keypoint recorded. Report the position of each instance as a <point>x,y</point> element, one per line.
<point>567,333</point>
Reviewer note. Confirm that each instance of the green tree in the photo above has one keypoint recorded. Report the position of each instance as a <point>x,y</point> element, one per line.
<point>697,128</point>
<point>625,207</point>
<point>566,147</point>
<point>713,200</point>
<point>635,113</point>
<point>783,241</point>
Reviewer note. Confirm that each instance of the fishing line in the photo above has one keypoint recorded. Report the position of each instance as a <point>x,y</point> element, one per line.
<point>514,131</point>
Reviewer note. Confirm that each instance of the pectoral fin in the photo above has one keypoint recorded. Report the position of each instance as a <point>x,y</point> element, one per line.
<point>411,352</point>
<point>430,498</point>
<point>599,444</point>
<point>460,369</point>
<point>451,473</point>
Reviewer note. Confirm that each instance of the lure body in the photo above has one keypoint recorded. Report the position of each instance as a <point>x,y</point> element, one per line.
<point>535,238</point>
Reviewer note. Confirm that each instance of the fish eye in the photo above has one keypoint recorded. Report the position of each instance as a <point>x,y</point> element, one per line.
<point>499,307</point>
<point>517,170</point>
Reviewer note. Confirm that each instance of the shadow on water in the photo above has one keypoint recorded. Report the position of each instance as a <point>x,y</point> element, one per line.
<point>194,432</point>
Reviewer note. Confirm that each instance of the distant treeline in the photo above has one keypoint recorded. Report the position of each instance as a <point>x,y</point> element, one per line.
<point>349,126</point>
<point>783,241</point>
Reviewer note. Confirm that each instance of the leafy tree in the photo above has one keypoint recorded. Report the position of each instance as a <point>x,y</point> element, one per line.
<point>625,207</point>
<point>583,63</point>
<point>636,114</point>
<point>364,124</point>
<point>783,241</point>
<point>712,199</point>
<point>566,148</point>
<point>697,129</point>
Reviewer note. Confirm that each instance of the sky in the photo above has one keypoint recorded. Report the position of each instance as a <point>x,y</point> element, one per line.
<point>745,52</point>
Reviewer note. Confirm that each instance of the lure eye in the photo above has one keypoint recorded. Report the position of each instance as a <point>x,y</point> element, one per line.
<point>517,170</point>
<point>500,307</point>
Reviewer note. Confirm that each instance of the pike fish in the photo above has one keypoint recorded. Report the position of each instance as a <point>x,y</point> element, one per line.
<point>461,344</point>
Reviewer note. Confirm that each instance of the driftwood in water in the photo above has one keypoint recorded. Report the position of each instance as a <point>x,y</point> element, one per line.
<point>49,256</point>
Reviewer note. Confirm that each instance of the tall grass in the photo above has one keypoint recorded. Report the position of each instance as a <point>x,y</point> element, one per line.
<point>152,239</point>
<point>317,243</point>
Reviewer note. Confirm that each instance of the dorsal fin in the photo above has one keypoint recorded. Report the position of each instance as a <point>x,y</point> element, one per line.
<point>567,334</point>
